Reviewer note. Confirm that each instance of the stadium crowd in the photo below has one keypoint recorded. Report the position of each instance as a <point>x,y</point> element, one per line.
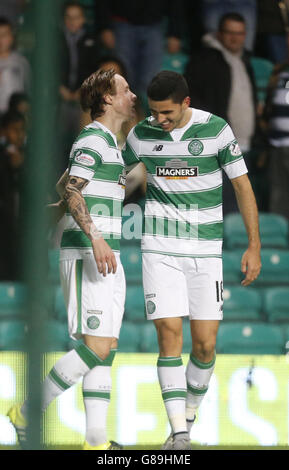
<point>237,66</point>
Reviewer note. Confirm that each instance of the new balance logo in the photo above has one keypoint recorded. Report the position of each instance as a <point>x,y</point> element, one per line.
<point>158,148</point>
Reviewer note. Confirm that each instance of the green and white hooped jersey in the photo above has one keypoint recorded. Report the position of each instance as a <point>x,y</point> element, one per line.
<point>183,211</point>
<point>95,157</point>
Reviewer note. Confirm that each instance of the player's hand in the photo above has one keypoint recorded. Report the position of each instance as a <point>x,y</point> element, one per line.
<point>250,265</point>
<point>104,257</point>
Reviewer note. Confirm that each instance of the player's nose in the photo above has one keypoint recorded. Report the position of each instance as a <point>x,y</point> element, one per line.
<point>161,118</point>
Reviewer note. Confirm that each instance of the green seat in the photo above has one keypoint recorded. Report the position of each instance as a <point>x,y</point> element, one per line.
<point>262,69</point>
<point>273,231</point>
<point>276,304</point>
<point>286,337</point>
<point>132,265</point>
<point>129,338</point>
<point>149,340</point>
<point>12,335</point>
<point>275,268</point>
<point>56,336</point>
<point>175,62</point>
<point>242,304</point>
<point>59,306</point>
<point>53,263</point>
<point>134,304</point>
<point>231,268</point>
<point>12,299</point>
<point>249,338</point>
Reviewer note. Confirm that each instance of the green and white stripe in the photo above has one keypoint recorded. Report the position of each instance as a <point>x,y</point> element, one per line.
<point>57,380</point>
<point>169,362</point>
<point>174,394</point>
<point>103,195</point>
<point>196,391</point>
<point>193,202</point>
<point>96,395</point>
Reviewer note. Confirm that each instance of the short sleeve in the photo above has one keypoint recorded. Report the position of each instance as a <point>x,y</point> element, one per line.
<point>230,155</point>
<point>130,151</point>
<point>86,156</point>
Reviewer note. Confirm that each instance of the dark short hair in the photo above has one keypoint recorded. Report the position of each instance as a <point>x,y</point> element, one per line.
<point>230,17</point>
<point>72,4</point>
<point>17,98</point>
<point>168,85</point>
<point>10,117</point>
<point>5,22</point>
<point>94,88</point>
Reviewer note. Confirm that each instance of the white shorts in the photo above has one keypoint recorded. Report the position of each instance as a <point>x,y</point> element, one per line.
<point>182,286</point>
<point>95,304</point>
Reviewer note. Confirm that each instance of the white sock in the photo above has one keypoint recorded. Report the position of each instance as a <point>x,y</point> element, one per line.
<point>65,373</point>
<point>96,388</point>
<point>198,376</point>
<point>96,395</point>
<point>172,380</point>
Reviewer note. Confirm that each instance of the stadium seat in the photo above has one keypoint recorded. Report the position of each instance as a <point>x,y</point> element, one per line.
<point>250,338</point>
<point>242,304</point>
<point>131,260</point>
<point>275,268</point>
<point>12,299</point>
<point>60,307</point>
<point>149,341</point>
<point>134,304</point>
<point>273,231</point>
<point>286,337</point>
<point>12,335</point>
<point>56,336</point>
<point>129,338</point>
<point>276,304</point>
<point>53,263</point>
<point>175,62</point>
<point>262,69</point>
<point>231,268</point>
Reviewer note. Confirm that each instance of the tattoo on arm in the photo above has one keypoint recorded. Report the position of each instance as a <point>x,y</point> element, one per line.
<point>78,207</point>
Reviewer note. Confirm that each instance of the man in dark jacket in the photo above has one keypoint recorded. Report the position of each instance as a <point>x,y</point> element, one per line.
<point>221,81</point>
<point>136,30</point>
<point>79,58</point>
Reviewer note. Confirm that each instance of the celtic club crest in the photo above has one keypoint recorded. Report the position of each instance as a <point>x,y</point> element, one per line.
<point>195,147</point>
<point>93,322</point>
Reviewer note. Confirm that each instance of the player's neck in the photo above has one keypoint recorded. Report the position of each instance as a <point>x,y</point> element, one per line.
<point>185,119</point>
<point>111,122</point>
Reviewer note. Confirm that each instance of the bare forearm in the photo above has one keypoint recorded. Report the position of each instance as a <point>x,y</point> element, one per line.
<point>78,208</point>
<point>248,208</point>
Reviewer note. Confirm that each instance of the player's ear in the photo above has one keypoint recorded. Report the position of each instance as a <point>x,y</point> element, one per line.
<point>187,102</point>
<point>107,99</point>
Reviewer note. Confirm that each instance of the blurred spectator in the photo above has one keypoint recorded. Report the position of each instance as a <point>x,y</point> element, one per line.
<point>80,55</point>
<point>272,30</point>
<point>14,68</point>
<point>276,116</point>
<point>213,10</point>
<point>19,102</point>
<point>221,81</point>
<point>12,140</point>
<point>136,31</point>
<point>12,9</point>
